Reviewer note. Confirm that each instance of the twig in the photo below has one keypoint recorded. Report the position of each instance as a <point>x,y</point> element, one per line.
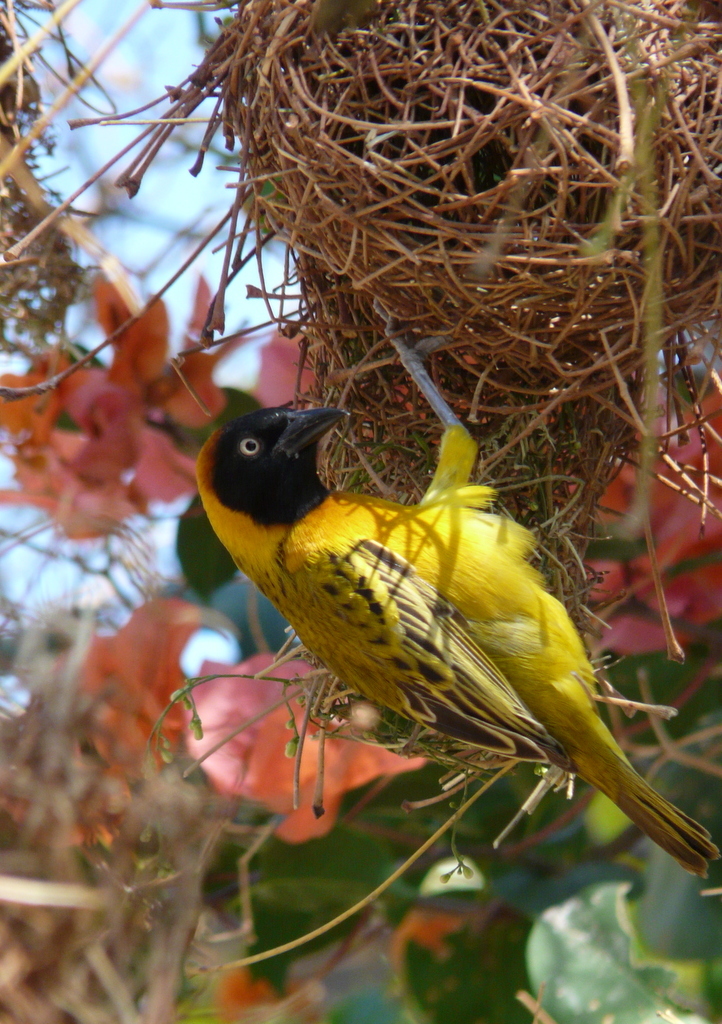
<point>317,804</point>
<point>516,849</point>
<point>625,160</point>
<point>73,88</point>
<point>37,892</point>
<point>670,749</point>
<point>106,973</point>
<point>244,725</point>
<point>674,651</point>
<point>416,805</point>
<point>534,1006</point>
<point>555,778</point>
<point>630,707</point>
<point>15,394</point>
<point>31,45</point>
<point>310,701</point>
<point>247,929</point>
<point>367,900</point>
<point>176,364</point>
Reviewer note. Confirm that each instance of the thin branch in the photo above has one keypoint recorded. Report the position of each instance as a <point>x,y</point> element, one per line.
<point>15,394</point>
<point>367,900</point>
<point>674,650</point>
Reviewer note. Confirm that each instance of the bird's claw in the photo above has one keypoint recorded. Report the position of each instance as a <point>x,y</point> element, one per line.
<point>412,354</point>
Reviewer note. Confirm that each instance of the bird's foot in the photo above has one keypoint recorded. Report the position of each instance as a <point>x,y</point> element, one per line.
<point>412,353</point>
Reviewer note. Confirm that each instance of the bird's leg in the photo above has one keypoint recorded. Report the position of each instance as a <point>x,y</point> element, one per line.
<point>412,356</point>
<point>458,449</point>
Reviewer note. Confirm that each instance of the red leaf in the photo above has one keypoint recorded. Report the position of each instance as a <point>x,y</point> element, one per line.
<point>142,349</point>
<point>238,989</point>
<point>170,392</point>
<point>197,369</point>
<point>133,674</point>
<point>428,928</point>
<point>693,595</point>
<point>253,763</point>
<point>113,418</point>
<point>162,472</point>
<point>47,481</point>
<point>31,419</point>
<point>279,370</point>
<point>199,314</point>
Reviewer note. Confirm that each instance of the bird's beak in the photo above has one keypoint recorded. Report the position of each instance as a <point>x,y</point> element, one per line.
<point>305,427</point>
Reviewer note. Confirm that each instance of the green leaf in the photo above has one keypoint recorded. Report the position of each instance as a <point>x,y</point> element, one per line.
<point>616,549</point>
<point>371,1006</point>
<point>674,921</point>
<point>260,626</point>
<point>476,980</point>
<point>604,821</point>
<point>65,422</point>
<point>304,885</point>
<point>205,562</point>
<point>238,404</point>
<point>533,891</point>
<point>712,985</point>
<point>321,876</point>
<point>581,952</point>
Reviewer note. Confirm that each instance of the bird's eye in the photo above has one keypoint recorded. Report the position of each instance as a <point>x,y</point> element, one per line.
<point>249,447</point>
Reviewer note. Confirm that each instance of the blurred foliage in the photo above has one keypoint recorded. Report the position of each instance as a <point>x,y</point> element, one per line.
<point>474,979</point>
<point>582,953</point>
<point>206,564</point>
<point>574,904</point>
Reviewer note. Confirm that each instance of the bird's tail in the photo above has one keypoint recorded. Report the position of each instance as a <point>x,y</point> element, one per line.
<point>681,836</point>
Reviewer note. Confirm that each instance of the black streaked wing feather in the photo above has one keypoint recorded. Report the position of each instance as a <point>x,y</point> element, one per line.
<point>457,688</point>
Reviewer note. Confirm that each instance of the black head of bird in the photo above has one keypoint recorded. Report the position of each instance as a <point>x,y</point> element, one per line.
<point>265,463</point>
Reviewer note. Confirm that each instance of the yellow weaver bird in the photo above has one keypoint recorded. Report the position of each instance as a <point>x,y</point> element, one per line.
<point>431,610</point>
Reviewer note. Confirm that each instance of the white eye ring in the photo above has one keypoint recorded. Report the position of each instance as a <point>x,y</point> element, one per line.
<point>250,447</point>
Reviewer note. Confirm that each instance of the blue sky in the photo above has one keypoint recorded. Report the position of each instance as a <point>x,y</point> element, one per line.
<point>150,234</point>
<point>147,233</point>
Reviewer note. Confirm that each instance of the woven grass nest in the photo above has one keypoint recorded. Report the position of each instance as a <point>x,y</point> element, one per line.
<point>35,292</point>
<point>537,182</point>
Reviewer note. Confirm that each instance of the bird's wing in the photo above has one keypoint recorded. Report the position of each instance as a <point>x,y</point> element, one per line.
<point>447,680</point>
